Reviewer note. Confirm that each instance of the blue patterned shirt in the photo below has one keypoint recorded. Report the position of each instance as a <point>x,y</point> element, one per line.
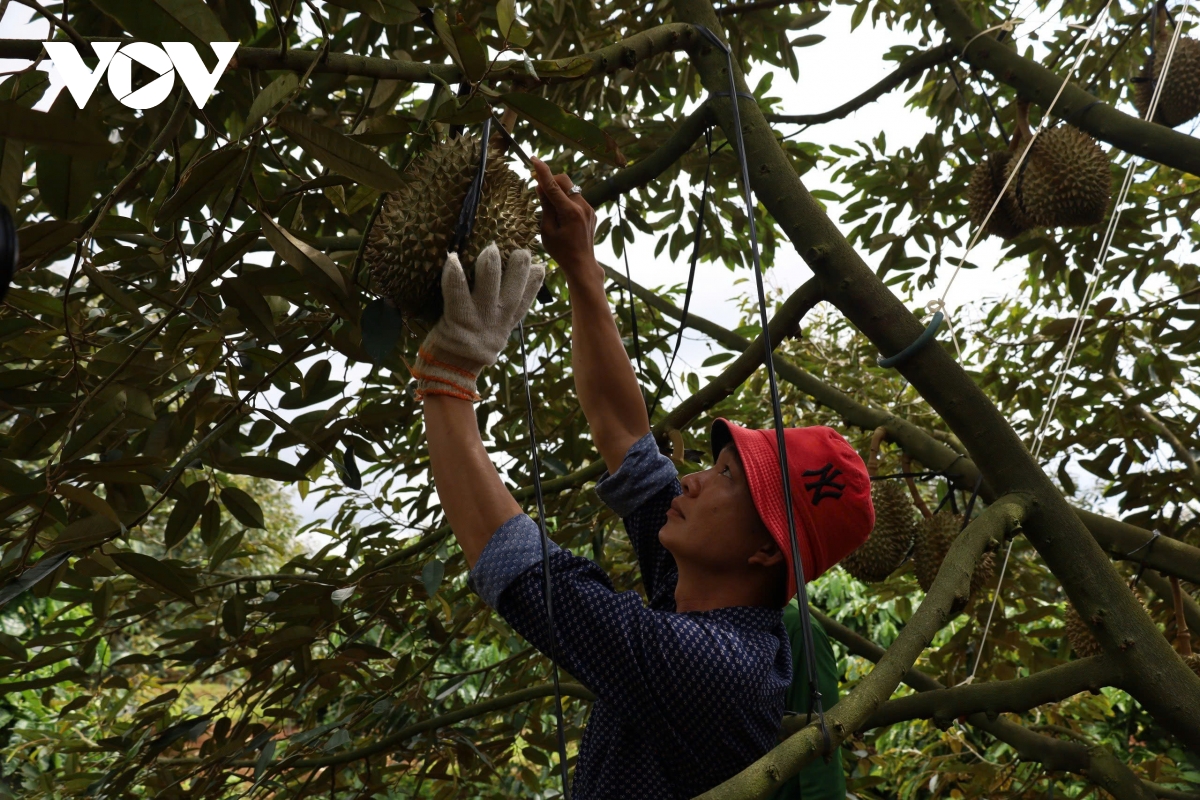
<point>683,700</point>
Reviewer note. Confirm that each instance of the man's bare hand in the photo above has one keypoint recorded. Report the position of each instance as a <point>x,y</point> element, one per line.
<point>568,224</point>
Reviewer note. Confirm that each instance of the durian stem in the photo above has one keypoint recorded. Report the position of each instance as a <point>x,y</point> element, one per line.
<point>918,501</point>
<point>1022,133</point>
<point>873,459</point>
<point>1183,639</point>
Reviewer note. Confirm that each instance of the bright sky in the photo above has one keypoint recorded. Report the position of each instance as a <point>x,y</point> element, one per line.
<point>856,59</point>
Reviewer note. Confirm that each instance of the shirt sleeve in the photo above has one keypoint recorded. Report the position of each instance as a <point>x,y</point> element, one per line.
<point>640,492</point>
<point>514,547</point>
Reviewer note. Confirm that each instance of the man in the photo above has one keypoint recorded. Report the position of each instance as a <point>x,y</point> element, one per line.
<point>691,689</point>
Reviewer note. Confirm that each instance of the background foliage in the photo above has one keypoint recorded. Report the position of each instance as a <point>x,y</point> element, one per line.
<point>151,403</point>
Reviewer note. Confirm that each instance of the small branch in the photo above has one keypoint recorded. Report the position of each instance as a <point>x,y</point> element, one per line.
<point>996,697</point>
<point>85,48</point>
<point>647,169</point>
<point>1162,589</point>
<point>624,54</point>
<point>907,69</point>
<point>395,740</point>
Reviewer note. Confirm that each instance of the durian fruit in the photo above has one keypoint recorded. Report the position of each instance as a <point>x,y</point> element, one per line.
<point>1193,661</point>
<point>1080,636</point>
<point>1180,98</point>
<point>407,246</point>
<point>987,181</point>
<point>1064,179</point>
<point>1082,641</point>
<point>890,539</point>
<point>934,537</point>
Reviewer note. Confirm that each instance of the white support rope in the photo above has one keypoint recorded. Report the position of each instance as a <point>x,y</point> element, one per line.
<point>940,304</point>
<point>1077,329</point>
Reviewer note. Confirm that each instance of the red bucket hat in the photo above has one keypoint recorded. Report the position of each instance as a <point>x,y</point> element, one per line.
<point>831,491</point>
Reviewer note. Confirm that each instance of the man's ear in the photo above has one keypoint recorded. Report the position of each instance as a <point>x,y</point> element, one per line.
<point>768,555</point>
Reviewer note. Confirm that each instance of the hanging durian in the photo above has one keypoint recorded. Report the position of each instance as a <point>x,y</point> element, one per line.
<point>895,524</point>
<point>1179,100</point>
<point>987,181</point>
<point>1063,180</point>
<point>1193,661</point>
<point>935,534</point>
<point>407,246</point>
<point>1080,636</point>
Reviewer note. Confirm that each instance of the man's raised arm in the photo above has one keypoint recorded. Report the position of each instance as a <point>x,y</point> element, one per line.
<point>604,379</point>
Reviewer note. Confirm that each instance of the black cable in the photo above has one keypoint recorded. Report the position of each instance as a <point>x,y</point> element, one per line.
<point>637,347</point>
<point>462,231</point>
<point>537,490</point>
<point>687,297</point>
<point>769,354</point>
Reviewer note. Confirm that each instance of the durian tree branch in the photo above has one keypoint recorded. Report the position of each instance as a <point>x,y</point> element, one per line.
<point>1095,763</point>
<point>996,697</point>
<point>951,585</point>
<point>1120,540</point>
<point>1076,106</point>
<point>909,68</point>
<point>1158,678</point>
<point>624,54</point>
<point>647,169</point>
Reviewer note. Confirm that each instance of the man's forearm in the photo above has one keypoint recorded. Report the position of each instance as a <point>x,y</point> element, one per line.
<point>604,378</point>
<point>470,490</point>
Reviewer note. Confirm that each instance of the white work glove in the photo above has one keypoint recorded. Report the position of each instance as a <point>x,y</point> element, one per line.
<point>475,326</point>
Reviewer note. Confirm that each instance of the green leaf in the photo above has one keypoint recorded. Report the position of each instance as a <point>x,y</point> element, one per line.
<point>718,358</point>
<point>471,55</point>
<point>225,549</point>
<point>510,29</point>
<point>93,503</point>
<point>807,20</point>
<point>45,238</point>
<point>114,292</point>
<point>186,514</point>
<point>11,647</point>
<point>203,179</point>
<point>326,279</point>
<point>154,573</point>
<point>29,577</point>
<point>272,95</point>
<point>66,183</point>
<point>86,532</point>
<point>210,522</point>
<point>340,153</point>
<point>94,429</point>
<point>808,40</point>
<point>253,309</point>
<point>233,616</point>
<point>431,576</point>
<point>243,507</point>
<point>14,480</point>
<point>262,467</point>
<point>167,20</point>
<point>381,328</point>
<point>567,128</point>
<point>60,132</point>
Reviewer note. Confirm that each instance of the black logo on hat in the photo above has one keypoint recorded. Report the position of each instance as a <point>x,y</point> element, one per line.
<point>825,485</point>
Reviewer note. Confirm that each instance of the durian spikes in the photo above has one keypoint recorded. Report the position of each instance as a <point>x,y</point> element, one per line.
<point>895,525</point>
<point>1179,100</point>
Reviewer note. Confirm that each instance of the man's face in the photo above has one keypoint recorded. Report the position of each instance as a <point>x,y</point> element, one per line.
<point>713,526</point>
